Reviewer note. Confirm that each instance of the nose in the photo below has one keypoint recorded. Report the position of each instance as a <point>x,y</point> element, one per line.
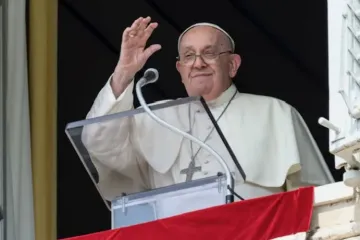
<point>199,62</point>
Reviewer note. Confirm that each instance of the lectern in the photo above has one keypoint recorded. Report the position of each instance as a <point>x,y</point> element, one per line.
<point>134,190</point>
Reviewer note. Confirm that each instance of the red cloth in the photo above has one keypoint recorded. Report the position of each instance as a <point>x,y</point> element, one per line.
<point>254,219</point>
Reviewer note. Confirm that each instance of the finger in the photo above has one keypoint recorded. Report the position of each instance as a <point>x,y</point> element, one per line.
<point>136,23</point>
<point>144,22</point>
<point>151,50</point>
<point>142,26</point>
<point>130,30</point>
<point>126,34</point>
<point>150,29</point>
<point>135,26</point>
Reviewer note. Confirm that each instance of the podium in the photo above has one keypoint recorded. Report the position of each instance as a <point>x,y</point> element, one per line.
<point>142,207</point>
<point>128,175</point>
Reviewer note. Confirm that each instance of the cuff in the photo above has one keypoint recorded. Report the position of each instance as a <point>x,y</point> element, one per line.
<point>106,103</point>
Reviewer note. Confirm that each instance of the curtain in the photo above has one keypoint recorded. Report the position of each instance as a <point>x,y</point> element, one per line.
<point>2,123</point>
<point>43,95</point>
<point>18,208</point>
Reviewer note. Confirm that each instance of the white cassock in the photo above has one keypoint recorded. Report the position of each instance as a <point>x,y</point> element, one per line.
<point>268,137</point>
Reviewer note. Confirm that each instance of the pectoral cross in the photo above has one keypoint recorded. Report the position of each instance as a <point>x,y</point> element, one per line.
<point>190,170</point>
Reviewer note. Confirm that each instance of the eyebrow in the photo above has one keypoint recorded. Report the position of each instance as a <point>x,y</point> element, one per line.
<point>187,48</point>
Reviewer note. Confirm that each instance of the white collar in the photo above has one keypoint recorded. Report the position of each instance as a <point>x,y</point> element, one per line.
<point>224,98</point>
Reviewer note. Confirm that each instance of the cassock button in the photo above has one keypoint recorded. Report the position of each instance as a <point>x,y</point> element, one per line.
<point>206,161</point>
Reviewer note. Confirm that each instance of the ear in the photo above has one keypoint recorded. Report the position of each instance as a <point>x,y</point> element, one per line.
<point>235,63</point>
<point>178,66</point>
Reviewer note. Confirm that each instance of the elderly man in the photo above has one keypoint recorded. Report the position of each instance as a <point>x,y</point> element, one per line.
<point>268,137</point>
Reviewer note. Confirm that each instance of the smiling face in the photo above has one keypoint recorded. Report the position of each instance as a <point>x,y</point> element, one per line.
<point>212,73</point>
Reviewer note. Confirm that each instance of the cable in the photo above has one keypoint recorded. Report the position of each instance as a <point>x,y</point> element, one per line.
<point>234,193</point>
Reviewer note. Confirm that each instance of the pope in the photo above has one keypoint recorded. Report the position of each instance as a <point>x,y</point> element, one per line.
<point>268,136</point>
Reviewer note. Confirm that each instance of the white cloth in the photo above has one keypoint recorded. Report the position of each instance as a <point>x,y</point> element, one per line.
<point>269,138</point>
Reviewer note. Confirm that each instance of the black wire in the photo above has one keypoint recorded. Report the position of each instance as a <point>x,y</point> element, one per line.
<point>234,193</point>
<point>223,138</point>
<point>220,174</point>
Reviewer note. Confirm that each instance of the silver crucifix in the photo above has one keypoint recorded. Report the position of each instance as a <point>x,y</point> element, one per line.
<point>190,170</point>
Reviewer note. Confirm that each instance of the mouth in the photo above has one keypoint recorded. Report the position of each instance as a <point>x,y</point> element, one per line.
<point>201,75</point>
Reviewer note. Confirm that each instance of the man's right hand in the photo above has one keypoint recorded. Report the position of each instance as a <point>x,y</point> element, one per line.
<point>133,55</point>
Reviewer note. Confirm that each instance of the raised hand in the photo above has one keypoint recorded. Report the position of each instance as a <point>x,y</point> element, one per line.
<point>134,53</point>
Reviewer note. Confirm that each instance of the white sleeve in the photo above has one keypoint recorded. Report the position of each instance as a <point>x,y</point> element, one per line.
<point>106,103</point>
<point>112,144</point>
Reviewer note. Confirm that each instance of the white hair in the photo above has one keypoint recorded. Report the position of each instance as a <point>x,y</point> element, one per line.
<point>210,25</point>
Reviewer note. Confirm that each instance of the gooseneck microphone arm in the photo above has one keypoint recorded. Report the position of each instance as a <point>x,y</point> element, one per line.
<point>150,76</point>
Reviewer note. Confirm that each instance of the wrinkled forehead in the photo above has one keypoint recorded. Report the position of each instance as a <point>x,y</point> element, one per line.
<point>204,35</point>
<point>199,38</point>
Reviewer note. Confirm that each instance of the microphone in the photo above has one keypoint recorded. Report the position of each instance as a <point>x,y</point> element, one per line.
<point>150,76</point>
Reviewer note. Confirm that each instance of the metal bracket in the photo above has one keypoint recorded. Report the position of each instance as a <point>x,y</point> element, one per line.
<point>1,214</point>
<point>123,202</point>
<point>220,181</point>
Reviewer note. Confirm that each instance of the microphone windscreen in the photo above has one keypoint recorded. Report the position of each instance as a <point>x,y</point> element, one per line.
<point>149,75</point>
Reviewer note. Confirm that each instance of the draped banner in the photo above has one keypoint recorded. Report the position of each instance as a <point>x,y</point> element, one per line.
<point>281,216</point>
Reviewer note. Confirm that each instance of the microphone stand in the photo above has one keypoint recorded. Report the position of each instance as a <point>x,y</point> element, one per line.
<point>153,77</point>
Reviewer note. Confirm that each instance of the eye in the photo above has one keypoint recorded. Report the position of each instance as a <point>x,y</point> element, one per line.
<point>209,54</point>
<point>188,56</point>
